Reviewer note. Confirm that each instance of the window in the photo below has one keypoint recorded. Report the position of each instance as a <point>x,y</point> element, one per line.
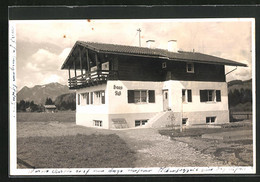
<point>140,122</point>
<point>184,121</point>
<point>164,65</point>
<point>99,97</point>
<point>210,119</point>
<point>97,123</point>
<point>210,95</point>
<point>186,95</point>
<point>218,95</point>
<point>105,66</point>
<point>78,99</point>
<point>190,67</point>
<point>141,96</point>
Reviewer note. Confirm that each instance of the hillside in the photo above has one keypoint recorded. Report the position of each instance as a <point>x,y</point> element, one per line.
<point>39,93</point>
<point>239,84</point>
<point>240,95</point>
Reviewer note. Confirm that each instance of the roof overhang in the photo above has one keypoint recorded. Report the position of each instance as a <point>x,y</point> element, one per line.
<point>180,56</point>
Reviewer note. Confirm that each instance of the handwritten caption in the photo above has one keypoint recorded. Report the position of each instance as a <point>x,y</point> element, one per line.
<point>12,70</point>
<point>144,171</point>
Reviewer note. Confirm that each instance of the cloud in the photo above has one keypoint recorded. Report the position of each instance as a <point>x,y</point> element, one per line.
<point>32,67</point>
<point>53,78</point>
<point>42,67</point>
<point>44,45</point>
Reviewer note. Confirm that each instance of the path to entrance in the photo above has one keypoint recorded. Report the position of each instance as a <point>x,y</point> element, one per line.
<point>155,150</point>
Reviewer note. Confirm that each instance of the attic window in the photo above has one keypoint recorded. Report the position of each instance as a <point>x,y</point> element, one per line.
<point>190,67</point>
<point>164,65</point>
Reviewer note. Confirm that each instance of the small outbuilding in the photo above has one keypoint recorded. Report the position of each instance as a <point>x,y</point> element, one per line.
<point>50,108</point>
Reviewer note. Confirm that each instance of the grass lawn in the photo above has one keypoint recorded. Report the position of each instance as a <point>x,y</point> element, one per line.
<point>238,152</point>
<point>78,151</point>
<point>197,132</point>
<point>68,116</point>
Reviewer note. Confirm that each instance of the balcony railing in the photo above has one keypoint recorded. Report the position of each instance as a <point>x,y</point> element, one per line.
<point>92,78</point>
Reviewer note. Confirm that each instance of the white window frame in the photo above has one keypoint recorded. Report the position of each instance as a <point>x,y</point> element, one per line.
<point>164,65</point>
<point>98,97</point>
<point>142,122</point>
<point>140,96</point>
<point>185,96</point>
<point>213,96</point>
<point>211,118</point>
<point>192,67</point>
<point>184,120</point>
<point>97,123</point>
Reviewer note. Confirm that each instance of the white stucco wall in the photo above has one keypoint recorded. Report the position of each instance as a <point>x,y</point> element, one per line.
<point>117,106</point>
<point>91,108</point>
<point>175,96</point>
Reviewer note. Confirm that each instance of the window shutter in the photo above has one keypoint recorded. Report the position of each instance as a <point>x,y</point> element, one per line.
<point>131,96</point>
<point>87,95</point>
<point>189,96</point>
<point>78,99</point>
<point>218,95</point>
<point>203,95</point>
<point>91,98</point>
<point>103,97</point>
<point>151,95</point>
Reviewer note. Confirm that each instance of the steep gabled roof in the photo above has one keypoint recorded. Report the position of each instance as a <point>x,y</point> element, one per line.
<point>154,53</point>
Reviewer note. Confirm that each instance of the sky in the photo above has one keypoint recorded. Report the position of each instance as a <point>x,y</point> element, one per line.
<point>43,45</point>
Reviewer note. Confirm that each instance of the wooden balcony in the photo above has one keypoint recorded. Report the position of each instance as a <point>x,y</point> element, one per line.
<point>92,78</point>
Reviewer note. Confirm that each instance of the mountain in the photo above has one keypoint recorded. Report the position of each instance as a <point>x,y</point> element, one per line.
<point>39,93</point>
<point>240,95</point>
<point>239,84</point>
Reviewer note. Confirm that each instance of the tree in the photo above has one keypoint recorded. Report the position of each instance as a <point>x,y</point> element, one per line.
<point>48,101</point>
<point>66,101</point>
<point>21,106</point>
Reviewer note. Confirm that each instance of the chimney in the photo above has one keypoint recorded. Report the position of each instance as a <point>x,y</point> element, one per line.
<point>172,46</point>
<point>150,43</point>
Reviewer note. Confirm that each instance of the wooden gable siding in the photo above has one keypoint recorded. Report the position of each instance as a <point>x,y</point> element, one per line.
<point>150,69</point>
<point>202,72</point>
<point>139,69</point>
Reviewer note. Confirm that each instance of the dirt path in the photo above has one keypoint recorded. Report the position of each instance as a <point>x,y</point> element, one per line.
<point>155,150</point>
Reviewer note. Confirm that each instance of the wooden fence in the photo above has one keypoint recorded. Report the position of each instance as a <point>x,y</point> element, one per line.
<point>238,116</point>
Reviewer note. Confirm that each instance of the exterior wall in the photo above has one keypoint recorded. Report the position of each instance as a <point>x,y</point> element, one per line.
<point>117,106</point>
<point>139,69</point>
<point>202,72</point>
<point>150,69</point>
<point>175,96</point>
<point>200,117</point>
<point>85,114</point>
<point>87,119</point>
<point>92,109</point>
<point>197,111</point>
<point>130,118</point>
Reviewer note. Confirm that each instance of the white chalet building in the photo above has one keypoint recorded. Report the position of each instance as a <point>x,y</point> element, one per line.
<point>120,86</point>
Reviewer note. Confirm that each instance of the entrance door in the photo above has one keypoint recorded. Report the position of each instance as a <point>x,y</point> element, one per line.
<point>165,100</point>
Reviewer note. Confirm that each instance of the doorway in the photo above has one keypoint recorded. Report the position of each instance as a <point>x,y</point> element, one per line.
<point>165,100</point>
